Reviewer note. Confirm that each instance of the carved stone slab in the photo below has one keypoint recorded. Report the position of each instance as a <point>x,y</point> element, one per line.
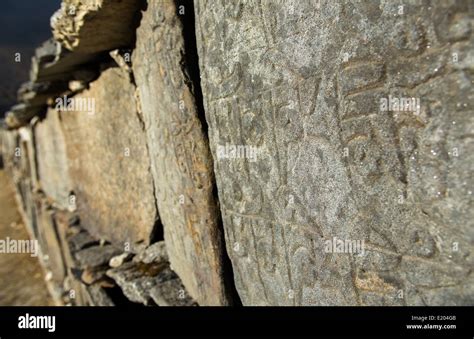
<point>181,161</point>
<point>354,122</point>
<point>108,162</point>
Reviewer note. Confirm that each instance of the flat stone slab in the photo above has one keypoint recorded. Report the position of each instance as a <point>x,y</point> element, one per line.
<point>20,114</point>
<point>336,121</point>
<point>96,256</point>
<point>94,26</point>
<point>109,164</point>
<point>144,283</point>
<point>179,151</point>
<point>53,62</point>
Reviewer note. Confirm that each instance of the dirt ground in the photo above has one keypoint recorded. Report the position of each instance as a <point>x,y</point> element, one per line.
<point>21,277</point>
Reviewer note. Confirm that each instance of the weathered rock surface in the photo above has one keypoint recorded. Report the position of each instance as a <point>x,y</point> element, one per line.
<point>341,135</point>
<point>53,68</point>
<point>303,83</point>
<point>52,161</point>
<point>97,25</point>
<point>151,281</point>
<point>109,162</point>
<point>19,115</point>
<point>134,282</point>
<point>181,162</point>
<point>86,262</point>
<point>153,253</point>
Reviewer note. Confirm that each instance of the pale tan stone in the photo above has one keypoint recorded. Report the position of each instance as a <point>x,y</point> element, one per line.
<point>109,163</point>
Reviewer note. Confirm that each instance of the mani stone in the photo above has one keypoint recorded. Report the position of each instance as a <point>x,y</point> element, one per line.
<point>301,84</point>
<point>181,161</point>
<point>95,25</point>
<point>109,163</point>
<point>52,161</point>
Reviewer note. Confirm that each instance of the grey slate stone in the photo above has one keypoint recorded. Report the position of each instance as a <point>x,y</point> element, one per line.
<point>134,282</point>
<point>95,256</point>
<point>95,26</point>
<point>171,292</point>
<point>144,283</point>
<point>52,62</point>
<point>303,83</point>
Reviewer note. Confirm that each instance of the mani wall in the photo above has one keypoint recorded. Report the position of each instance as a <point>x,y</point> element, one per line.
<point>255,152</point>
